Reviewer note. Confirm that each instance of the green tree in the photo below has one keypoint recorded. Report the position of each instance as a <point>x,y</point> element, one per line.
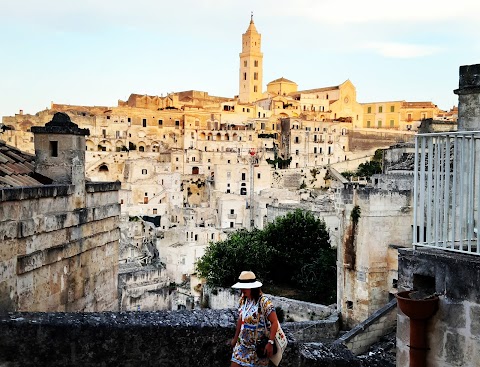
<point>294,251</point>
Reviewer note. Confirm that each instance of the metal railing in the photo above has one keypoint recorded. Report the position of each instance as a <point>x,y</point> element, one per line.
<point>447,191</point>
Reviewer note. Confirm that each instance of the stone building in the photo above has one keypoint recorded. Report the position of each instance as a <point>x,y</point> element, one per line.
<point>400,115</point>
<point>251,66</point>
<point>59,233</point>
<point>438,318</point>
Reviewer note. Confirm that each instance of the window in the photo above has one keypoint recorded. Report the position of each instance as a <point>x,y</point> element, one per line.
<point>258,176</point>
<point>392,123</point>
<point>245,63</point>
<point>392,108</point>
<point>244,76</point>
<point>176,159</point>
<point>129,119</point>
<point>231,224</point>
<point>144,171</point>
<point>315,150</point>
<point>229,174</point>
<point>379,123</point>
<point>380,109</point>
<point>297,140</point>
<point>244,175</point>
<point>232,211</point>
<point>177,123</point>
<point>255,76</point>
<point>369,109</point>
<point>154,211</point>
<point>368,123</point>
<point>255,63</point>
<point>104,133</point>
<point>54,148</point>
<point>117,134</point>
<point>144,122</point>
<point>160,122</point>
<point>255,89</point>
<point>296,152</point>
<point>349,305</point>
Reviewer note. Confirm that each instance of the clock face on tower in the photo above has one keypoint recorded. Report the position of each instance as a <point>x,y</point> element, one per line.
<point>346,100</point>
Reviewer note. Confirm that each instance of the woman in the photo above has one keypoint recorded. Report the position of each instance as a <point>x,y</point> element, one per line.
<point>254,311</point>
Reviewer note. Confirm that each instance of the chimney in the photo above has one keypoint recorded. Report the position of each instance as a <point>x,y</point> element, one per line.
<point>60,153</point>
<point>468,98</point>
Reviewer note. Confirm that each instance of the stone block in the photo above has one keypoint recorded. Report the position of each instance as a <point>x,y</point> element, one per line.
<point>8,250</point>
<point>454,349</point>
<point>475,321</point>
<point>30,262</point>
<point>8,230</point>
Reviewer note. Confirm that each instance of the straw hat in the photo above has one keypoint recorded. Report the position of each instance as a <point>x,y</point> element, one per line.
<point>247,280</point>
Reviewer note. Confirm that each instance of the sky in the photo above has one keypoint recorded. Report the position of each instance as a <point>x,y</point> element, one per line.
<point>95,52</point>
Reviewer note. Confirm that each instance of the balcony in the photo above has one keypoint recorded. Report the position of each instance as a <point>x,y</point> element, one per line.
<point>447,191</point>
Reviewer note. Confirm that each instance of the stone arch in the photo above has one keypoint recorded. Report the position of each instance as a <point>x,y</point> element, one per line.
<point>227,137</point>
<point>202,136</point>
<point>89,145</point>
<point>119,145</point>
<point>141,146</point>
<point>210,136</point>
<point>235,137</point>
<point>218,137</point>
<point>103,168</point>
<point>105,146</point>
<point>155,146</point>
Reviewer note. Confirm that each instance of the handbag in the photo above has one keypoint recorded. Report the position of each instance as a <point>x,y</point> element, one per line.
<point>260,347</point>
<point>279,346</point>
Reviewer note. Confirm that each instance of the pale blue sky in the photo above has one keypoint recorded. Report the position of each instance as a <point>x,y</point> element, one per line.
<point>94,52</point>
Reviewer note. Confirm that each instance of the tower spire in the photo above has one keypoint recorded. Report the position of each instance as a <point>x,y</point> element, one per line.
<point>251,17</point>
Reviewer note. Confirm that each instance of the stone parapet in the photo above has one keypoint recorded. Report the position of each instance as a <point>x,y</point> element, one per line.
<point>35,192</point>
<point>162,338</point>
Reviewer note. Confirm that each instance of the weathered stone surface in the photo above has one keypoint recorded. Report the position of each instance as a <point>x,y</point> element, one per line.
<point>454,349</point>
<point>475,319</point>
<point>162,338</point>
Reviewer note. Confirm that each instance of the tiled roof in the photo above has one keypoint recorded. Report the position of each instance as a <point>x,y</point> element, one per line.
<point>17,168</point>
<point>281,80</point>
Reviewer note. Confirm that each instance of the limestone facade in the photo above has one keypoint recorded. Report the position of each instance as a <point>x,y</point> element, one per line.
<point>59,241</point>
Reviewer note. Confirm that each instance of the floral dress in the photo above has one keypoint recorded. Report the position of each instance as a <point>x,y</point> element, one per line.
<point>244,351</point>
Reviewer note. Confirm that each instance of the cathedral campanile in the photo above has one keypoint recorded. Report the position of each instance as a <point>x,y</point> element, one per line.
<point>251,66</point>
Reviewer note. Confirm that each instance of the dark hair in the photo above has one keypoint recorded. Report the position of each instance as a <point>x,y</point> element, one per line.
<point>255,293</point>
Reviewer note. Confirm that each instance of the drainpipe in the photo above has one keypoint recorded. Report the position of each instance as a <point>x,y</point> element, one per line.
<point>419,311</point>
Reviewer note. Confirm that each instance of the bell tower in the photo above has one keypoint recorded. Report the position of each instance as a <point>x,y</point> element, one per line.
<point>251,65</point>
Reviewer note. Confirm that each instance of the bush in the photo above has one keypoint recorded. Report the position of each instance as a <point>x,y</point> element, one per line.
<point>294,251</point>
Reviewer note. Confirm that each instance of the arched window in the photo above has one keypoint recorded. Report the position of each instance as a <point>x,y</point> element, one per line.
<point>103,168</point>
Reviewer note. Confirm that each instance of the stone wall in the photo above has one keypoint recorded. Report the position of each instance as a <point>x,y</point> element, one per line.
<point>453,333</point>
<point>163,338</point>
<point>55,258</point>
<point>369,331</point>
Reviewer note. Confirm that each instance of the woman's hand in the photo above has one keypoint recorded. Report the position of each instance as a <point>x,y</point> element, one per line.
<point>268,350</point>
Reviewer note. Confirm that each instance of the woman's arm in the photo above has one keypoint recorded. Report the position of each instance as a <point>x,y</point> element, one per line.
<point>273,330</point>
<point>237,331</point>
